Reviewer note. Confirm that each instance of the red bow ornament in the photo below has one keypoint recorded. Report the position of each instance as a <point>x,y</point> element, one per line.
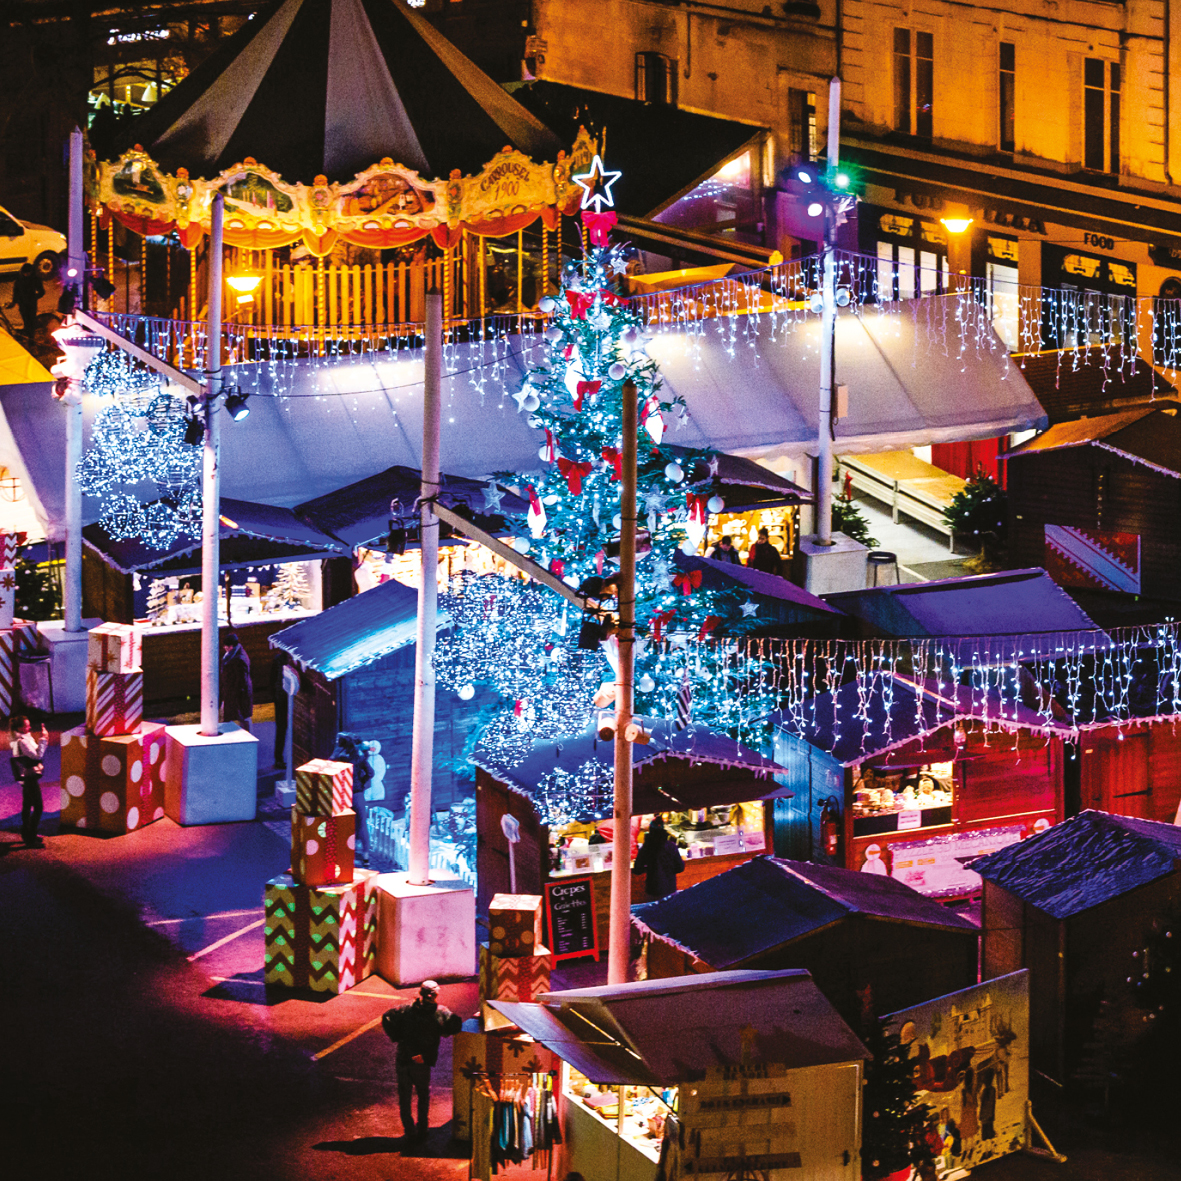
<point>558,567</point>
<point>708,623</point>
<point>688,581</point>
<point>598,225</point>
<point>536,518</point>
<point>582,389</point>
<point>550,451</point>
<point>579,303</point>
<point>614,457</point>
<point>574,473</point>
<point>658,622</point>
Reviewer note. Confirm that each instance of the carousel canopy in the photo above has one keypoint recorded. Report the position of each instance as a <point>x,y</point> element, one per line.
<point>329,87</point>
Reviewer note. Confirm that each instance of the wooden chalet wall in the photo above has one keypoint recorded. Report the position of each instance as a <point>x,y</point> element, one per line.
<point>1133,773</point>
<point>106,594</point>
<point>813,776</point>
<point>1088,488</point>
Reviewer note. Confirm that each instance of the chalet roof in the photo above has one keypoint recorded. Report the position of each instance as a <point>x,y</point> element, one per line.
<point>1084,861</point>
<point>662,1032</point>
<point>1147,435</point>
<point>1014,602</point>
<point>767,903</point>
<point>356,632</point>
<point>1082,381</point>
<point>311,87</point>
<point>718,575</point>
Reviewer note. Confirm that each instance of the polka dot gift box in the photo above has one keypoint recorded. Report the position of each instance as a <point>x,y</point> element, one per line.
<point>113,784</point>
<point>322,848</point>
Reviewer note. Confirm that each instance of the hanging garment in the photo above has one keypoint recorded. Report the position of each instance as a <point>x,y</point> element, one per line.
<point>672,1150</point>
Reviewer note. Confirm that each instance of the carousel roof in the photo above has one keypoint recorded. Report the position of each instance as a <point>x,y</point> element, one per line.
<point>313,87</point>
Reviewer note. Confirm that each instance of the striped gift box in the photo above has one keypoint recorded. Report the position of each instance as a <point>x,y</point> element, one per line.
<point>320,937</point>
<point>7,596</point>
<point>114,702</point>
<point>322,848</point>
<point>323,787</point>
<point>22,636</point>
<point>114,648</point>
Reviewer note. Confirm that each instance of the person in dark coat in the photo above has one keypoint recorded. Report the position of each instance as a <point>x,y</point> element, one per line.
<point>28,753</point>
<point>659,859</point>
<point>724,551</point>
<point>27,292</point>
<point>763,555</point>
<point>237,692</point>
<point>418,1029</point>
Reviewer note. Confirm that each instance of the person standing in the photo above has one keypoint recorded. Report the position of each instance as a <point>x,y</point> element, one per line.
<point>27,755</point>
<point>418,1029</point>
<point>763,555</point>
<point>724,551</point>
<point>27,292</point>
<point>278,663</point>
<point>236,690</point>
<point>659,859</point>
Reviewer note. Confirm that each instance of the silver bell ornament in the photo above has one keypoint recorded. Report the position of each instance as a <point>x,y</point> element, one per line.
<point>616,372</point>
<point>715,504</point>
<point>674,472</point>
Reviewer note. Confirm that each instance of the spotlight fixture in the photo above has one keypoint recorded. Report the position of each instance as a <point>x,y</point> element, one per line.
<point>236,405</point>
<point>843,296</point>
<point>804,177</point>
<point>815,209</point>
<point>194,431</point>
<point>102,286</point>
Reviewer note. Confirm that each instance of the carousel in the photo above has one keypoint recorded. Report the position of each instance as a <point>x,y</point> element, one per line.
<point>363,161</point>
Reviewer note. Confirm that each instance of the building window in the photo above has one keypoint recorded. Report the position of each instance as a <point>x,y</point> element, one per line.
<point>656,79</point>
<point>1087,299</point>
<point>914,82</point>
<point>1101,111</point>
<point>911,255</point>
<point>1008,96</point>
<point>1004,294</point>
<point>802,121</point>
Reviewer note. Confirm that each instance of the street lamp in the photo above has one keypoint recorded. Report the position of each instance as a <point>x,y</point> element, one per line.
<point>244,286</point>
<point>956,218</point>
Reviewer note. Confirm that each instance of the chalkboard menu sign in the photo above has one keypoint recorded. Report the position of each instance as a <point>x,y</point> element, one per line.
<point>570,910</point>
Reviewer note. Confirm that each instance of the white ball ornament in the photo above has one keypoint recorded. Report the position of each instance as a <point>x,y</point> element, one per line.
<point>467,692</point>
<point>629,336</point>
<point>553,332</point>
<point>521,545</point>
<point>531,402</point>
<point>617,521</point>
<point>547,304</point>
<point>647,684</point>
<point>715,504</point>
<point>616,372</point>
<point>687,547</point>
<point>674,472</point>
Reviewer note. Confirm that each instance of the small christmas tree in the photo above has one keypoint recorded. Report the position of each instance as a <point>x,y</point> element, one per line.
<point>290,588</point>
<point>894,1122</point>
<point>980,511</point>
<point>848,519</point>
<point>157,600</point>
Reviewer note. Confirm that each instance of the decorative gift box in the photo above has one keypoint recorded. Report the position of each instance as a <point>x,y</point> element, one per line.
<point>320,937</point>
<point>7,595</point>
<point>20,637</point>
<point>9,544</point>
<point>322,848</point>
<point>323,787</point>
<point>514,924</point>
<point>513,978</point>
<point>114,784</point>
<point>474,1054</point>
<point>114,648</point>
<point>114,702</point>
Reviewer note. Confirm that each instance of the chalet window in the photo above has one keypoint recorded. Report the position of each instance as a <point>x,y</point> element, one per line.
<point>1007,94</point>
<point>1101,115</point>
<point>802,122</point>
<point>656,79</point>
<point>914,82</point>
<point>889,800</point>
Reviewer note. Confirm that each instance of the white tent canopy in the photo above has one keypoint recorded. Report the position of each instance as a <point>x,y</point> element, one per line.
<point>750,386</point>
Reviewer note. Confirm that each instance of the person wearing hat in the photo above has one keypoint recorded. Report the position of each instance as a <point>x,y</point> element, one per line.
<point>418,1029</point>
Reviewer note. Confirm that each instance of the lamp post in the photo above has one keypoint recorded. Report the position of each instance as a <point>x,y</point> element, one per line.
<point>828,328</point>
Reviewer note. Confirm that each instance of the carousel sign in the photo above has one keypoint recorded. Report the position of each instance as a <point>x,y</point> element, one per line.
<point>385,206</point>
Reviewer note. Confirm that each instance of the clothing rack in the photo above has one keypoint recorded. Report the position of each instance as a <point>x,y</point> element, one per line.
<point>552,1075</point>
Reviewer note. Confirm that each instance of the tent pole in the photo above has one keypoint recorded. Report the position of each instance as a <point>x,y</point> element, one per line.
<point>828,334</point>
<point>75,266</point>
<point>422,744</point>
<point>211,483</point>
<point>619,925</point>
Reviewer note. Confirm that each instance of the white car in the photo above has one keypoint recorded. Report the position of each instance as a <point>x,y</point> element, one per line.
<point>22,242</point>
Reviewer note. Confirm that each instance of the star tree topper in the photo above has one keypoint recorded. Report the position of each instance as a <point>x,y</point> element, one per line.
<point>596,186</point>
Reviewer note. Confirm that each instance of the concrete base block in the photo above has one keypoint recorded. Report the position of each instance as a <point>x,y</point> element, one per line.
<point>424,932</point>
<point>68,650</point>
<point>285,792</point>
<point>829,569</point>
<point>210,780</point>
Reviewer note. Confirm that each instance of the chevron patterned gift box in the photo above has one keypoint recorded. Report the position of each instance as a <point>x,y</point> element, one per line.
<point>511,978</point>
<point>322,848</point>
<point>9,544</point>
<point>114,648</point>
<point>114,702</point>
<point>113,784</point>
<point>320,937</point>
<point>323,786</point>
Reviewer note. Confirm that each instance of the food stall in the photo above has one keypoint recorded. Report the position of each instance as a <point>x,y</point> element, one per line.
<point>915,780</point>
<point>637,1073</point>
<point>713,792</point>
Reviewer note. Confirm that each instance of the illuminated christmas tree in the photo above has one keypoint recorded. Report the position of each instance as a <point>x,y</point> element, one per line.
<point>157,600</point>
<point>290,588</point>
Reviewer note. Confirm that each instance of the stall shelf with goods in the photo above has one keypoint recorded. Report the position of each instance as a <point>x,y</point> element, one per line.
<point>638,1074</point>
<point>1077,905</point>
<point>914,780</point>
<point>852,931</point>
<point>713,792</point>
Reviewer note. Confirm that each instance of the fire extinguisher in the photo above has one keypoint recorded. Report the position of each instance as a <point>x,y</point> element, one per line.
<point>830,826</point>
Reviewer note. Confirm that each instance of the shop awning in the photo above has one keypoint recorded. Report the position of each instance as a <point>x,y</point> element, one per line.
<point>359,513</point>
<point>25,382</point>
<point>250,535</point>
<point>741,482</point>
<point>767,903</point>
<point>780,600</point>
<point>677,770</point>
<point>356,632</point>
<point>666,1032</point>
